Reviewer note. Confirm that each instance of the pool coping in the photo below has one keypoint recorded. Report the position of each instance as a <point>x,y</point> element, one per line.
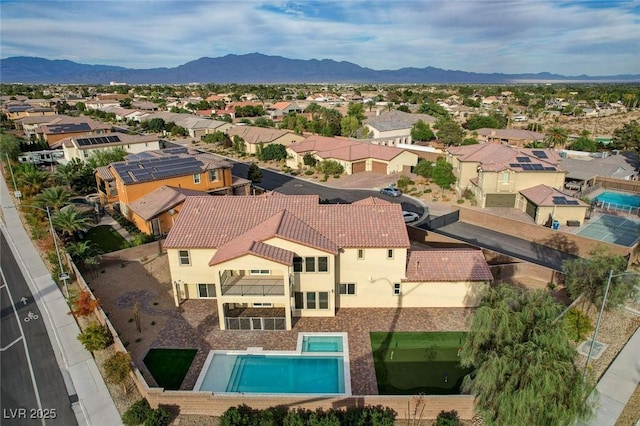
<point>253,350</point>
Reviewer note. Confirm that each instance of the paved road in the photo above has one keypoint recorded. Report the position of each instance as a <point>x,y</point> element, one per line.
<point>291,185</point>
<point>32,390</point>
<point>506,244</point>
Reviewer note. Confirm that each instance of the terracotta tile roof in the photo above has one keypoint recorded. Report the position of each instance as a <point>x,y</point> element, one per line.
<point>543,195</point>
<point>320,143</point>
<point>496,157</point>
<point>361,151</point>
<point>396,120</point>
<point>447,265</point>
<point>369,201</point>
<point>521,134</point>
<point>280,105</point>
<point>161,200</point>
<point>215,221</point>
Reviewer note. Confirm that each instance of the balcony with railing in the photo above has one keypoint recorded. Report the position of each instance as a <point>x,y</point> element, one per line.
<point>252,285</point>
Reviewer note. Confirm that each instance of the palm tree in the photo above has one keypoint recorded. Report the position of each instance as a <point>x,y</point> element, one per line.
<point>556,136</point>
<point>69,221</point>
<point>31,180</point>
<point>55,197</point>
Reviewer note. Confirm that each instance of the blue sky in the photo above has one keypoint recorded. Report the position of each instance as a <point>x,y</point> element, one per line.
<point>509,36</point>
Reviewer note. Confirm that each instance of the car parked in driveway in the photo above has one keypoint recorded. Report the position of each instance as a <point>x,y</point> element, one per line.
<point>391,191</point>
<point>410,216</point>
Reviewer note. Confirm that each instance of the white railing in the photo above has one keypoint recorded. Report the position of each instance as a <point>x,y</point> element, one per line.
<point>623,208</point>
<point>255,323</point>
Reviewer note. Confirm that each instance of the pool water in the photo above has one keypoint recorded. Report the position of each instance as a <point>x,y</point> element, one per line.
<point>619,198</point>
<point>322,344</point>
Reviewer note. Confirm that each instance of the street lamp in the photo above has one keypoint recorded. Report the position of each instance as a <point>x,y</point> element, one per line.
<point>63,275</point>
<point>16,193</point>
<point>604,300</point>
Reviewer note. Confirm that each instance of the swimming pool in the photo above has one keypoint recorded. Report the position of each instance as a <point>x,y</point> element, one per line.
<point>319,365</point>
<point>619,199</point>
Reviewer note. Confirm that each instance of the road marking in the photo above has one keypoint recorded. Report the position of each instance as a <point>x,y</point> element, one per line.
<point>24,300</point>
<point>24,342</point>
<point>11,344</point>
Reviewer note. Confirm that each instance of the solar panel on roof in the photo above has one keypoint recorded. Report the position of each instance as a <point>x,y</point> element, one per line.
<point>527,167</point>
<point>515,165</point>
<point>559,200</point>
<point>549,168</point>
<point>540,154</point>
<point>573,202</point>
<point>538,167</point>
<point>523,159</point>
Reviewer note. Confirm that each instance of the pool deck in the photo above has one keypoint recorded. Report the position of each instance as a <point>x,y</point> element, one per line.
<point>195,325</point>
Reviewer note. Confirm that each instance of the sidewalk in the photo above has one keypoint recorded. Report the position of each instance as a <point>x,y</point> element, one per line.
<point>617,384</point>
<point>82,378</point>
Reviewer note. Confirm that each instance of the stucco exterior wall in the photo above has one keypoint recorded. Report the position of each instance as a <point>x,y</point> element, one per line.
<point>561,213</point>
<point>397,164</point>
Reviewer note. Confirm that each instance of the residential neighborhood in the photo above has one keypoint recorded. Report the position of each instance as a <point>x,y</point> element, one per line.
<point>229,225</point>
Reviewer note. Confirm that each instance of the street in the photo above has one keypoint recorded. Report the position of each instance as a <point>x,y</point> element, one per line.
<point>32,390</point>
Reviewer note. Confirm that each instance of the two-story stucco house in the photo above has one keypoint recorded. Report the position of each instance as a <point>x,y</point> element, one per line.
<point>140,175</point>
<point>263,260</point>
<point>85,146</point>
<point>496,173</point>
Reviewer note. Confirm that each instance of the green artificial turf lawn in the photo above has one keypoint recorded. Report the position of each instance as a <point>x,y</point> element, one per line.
<point>105,237</point>
<point>169,366</point>
<point>414,363</point>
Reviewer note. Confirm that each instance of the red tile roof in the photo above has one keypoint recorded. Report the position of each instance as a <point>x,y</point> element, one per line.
<point>447,265</point>
<point>211,222</point>
<point>345,149</point>
<point>370,201</point>
<point>495,158</point>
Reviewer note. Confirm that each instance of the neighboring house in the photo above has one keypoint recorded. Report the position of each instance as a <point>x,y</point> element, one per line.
<point>583,170</point>
<point>101,104</point>
<point>280,109</point>
<point>55,132</point>
<point>395,126</point>
<point>495,174</point>
<point>122,183</point>
<point>545,204</point>
<point>253,136</point>
<point>83,147</point>
<point>355,156</point>
<point>195,126</point>
<point>511,137</point>
<point>285,256</point>
<point>15,112</point>
<point>156,212</point>
<point>28,125</point>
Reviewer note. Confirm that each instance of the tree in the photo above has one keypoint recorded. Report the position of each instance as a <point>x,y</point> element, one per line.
<point>483,121</point>
<point>104,157</point>
<point>404,108</point>
<point>274,151</point>
<point>55,197</point>
<point>9,146</point>
<point>421,131</point>
<point>584,143</point>
<point>627,137</point>
<point>217,137</point>
<point>523,359</point>
<point>77,175</point>
<point>588,277</point>
<point>30,179</point>
<point>433,109</point>
<point>238,144</point>
<point>356,110</point>
<point>442,174</point>
<point>556,136</point>
<point>69,221</point>
<point>81,250</point>
<point>349,126</point>
<point>254,174</point>
<point>424,168</point>
<point>95,337</point>
<point>117,368</point>
<point>309,160</point>
<point>450,132</point>
<point>84,305</point>
<point>263,122</point>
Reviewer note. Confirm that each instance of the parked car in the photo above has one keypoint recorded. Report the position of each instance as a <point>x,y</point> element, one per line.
<point>410,216</point>
<point>391,191</point>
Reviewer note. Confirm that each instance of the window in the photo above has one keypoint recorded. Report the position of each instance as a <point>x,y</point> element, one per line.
<point>297,264</point>
<point>183,256</point>
<point>323,300</point>
<point>323,264</point>
<point>196,178</point>
<point>299,300</point>
<point>396,289</point>
<point>260,272</point>
<point>347,288</point>
<point>360,253</point>
<point>390,254</point>
<point>310,264</point>
<point>206,291</point>
<point>262,305</point>
<point>505,178</point>
<point>311,300</point>
<point>213,175</point>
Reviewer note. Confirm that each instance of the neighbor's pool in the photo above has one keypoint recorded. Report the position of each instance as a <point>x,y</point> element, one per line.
<point>304,371</point>
<point>619,198</point>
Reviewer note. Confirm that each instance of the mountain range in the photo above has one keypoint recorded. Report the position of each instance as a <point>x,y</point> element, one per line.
<point>259,68</point>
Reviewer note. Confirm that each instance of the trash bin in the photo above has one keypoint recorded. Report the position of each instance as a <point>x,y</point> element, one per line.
<point>555,225</point>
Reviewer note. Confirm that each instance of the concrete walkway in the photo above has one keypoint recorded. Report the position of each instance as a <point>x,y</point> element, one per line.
<point>618,384</point>
<point>79,369</point>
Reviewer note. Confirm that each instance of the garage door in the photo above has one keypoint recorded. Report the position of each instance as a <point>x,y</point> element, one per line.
<point>358,167</point>
<point>379,167</point>
<point>501,200</point>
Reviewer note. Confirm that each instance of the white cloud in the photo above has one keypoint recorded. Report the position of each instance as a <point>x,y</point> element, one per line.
<point>571,38</point>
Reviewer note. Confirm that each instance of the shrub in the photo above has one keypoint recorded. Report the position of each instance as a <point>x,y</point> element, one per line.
<point>460,200</point>
<point>95,337</point>
<point>404,182</point>
<point>308,172</point>
<point>158,417</point>
<point>578,324</point>
<point>448,418</point>
<point>427,191</point>
<point>137,413</point>
<point>117,368</point>
<point>330,167</point>
<point>84,304</point>
<point>336,176</point>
